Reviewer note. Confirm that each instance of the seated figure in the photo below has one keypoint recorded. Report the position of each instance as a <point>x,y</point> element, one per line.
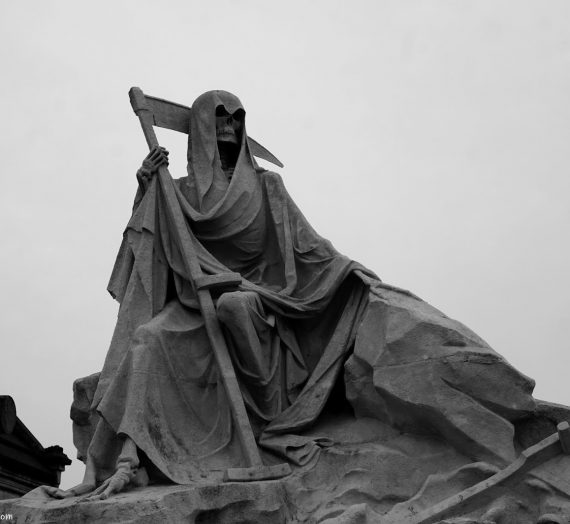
<point>305,321</point>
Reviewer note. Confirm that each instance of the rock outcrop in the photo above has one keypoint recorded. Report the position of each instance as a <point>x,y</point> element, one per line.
<point>372,474</point>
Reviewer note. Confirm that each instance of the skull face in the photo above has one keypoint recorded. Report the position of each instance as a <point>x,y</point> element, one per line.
<point>228,127</point>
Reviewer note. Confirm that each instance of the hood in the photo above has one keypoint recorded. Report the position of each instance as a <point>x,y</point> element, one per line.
<point>207,181</point>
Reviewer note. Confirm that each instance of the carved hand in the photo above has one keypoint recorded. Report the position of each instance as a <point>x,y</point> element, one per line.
<point>80,489</point>
<point>158,156</point>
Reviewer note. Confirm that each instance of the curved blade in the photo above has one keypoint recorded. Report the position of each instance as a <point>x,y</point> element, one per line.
<point>260,152</point>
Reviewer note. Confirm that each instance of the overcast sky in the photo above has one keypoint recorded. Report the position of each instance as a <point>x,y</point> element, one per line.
<point>428,140</point>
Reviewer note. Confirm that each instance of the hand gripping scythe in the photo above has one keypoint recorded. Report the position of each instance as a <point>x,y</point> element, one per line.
<point>154,111</point>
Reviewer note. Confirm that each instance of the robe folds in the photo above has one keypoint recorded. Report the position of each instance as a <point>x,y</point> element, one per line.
<point>301,301</point>
<point>160,383</point>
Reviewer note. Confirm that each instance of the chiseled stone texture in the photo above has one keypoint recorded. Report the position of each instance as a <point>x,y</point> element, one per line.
<point>263,502</point>
<point>372,474</point>
<point>422,372</point>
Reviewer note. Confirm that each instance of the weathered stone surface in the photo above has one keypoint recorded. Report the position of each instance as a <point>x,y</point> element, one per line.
<point>523,503</point>
<point>84,418</point>
<point>372,474</point>
<point>263,502</point>
<point>420,371</point>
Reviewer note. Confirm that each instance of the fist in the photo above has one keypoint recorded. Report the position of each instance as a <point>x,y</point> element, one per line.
<point>158,156</point>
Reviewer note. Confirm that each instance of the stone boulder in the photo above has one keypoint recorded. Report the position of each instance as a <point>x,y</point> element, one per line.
<point>422,372</point>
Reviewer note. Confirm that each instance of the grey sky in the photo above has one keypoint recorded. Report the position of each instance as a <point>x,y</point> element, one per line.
<point>428,140</point>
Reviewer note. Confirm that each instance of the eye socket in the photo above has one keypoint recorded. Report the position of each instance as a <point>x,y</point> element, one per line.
<point>221,111</point>
<point>239,115</point>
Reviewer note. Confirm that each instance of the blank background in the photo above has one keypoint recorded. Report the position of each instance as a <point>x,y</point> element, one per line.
<point>428,140</point>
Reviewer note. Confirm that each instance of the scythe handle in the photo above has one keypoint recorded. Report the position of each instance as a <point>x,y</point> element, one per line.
<point>471,498</point>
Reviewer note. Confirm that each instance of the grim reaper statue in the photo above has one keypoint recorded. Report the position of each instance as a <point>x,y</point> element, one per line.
<point>307,329</point>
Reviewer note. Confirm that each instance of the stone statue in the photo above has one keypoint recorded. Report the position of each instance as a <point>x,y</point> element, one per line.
<point>312,335</point>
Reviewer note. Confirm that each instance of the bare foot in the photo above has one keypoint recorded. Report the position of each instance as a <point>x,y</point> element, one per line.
<point>124,475</point>
<point>127,472</point>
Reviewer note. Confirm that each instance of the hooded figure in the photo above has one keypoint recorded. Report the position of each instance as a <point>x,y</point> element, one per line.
<point>290,328</point>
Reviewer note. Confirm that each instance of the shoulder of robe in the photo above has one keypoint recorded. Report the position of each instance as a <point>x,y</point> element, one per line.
<point>269,176</point>
<point>272,182</point>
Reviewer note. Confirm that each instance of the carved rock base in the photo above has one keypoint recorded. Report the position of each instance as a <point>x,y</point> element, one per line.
<point>371,475</point>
